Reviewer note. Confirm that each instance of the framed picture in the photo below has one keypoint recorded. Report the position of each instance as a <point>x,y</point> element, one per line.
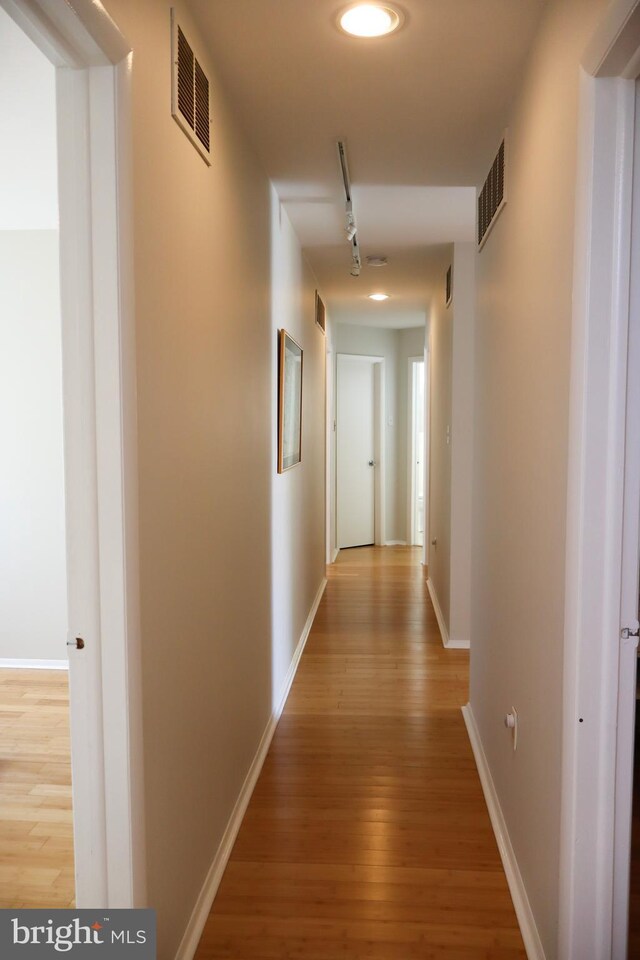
<point>289,402</point>
<point>321,316</point>
<point>449,287</point>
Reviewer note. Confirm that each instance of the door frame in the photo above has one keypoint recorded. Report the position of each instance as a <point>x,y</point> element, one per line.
<point>411,417</point>
<point>93,79</point>
<point>594,736</point>
<point>379,440</point>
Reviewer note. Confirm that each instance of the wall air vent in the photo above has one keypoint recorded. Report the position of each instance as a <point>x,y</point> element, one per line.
<point>493,195</point>
<point>189,92</point>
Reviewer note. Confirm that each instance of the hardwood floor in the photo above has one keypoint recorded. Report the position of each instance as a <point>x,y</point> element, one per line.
<point>367,835</point>
<point>634,888</point>
<point>36,836</point>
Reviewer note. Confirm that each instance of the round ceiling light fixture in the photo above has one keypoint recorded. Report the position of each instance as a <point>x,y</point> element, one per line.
<point>369,20</point>
<point>378,296</point>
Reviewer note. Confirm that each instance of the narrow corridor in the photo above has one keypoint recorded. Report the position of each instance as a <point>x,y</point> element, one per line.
<point>367,834</point>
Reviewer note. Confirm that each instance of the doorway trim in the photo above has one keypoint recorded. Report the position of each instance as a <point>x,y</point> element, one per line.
<point>93,76</point>
<point>379,438</point>
<point>589,924</point>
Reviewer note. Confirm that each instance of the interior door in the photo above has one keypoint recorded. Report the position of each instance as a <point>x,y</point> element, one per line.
<point>418,451</point>
<point>356,470</point>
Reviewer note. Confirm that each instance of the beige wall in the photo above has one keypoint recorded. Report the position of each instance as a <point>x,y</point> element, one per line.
<point>298,511</point>
<point>206,250</point>
<point>440,373</point>
<point>463,310</point>
<point>521,433</point>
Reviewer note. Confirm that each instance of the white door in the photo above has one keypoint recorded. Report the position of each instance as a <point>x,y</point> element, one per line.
<point>417,451</point>
<point>356,471</point>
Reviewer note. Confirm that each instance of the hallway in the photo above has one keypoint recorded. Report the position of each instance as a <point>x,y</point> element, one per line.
<point>367,834</point>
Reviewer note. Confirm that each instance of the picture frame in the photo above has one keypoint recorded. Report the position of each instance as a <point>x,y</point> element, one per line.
<point>290,371</point>
<point>321,313</point>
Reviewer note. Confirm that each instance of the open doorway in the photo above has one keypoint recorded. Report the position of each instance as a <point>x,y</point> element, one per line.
<point>69,380</point>
<point>36,831</point>
<point>416,522</point>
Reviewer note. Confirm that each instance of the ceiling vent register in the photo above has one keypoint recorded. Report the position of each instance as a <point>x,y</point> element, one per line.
<point>493,195</point>
<point>190,92</point>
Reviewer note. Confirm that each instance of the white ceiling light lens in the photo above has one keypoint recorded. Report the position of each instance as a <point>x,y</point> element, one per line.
<point>378,296</point>
<point>369,20</point>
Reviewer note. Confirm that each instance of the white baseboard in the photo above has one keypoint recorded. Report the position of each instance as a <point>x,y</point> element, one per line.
<point>395,543</point>
<point>8,663</point>
<point>447,641</point>
<point>335,554</point>
<point>528,928</point>
<point>444,633</point>
<point>195,926</point>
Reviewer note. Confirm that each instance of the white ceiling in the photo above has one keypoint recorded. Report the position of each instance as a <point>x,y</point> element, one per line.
<point>421,110</point>
<point>412,277</point>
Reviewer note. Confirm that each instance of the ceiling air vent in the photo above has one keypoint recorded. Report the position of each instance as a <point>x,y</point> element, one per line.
<point>189,92</point>
<point>493,195</point>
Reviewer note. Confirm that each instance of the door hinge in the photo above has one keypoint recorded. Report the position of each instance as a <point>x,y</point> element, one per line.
<point>627,632</point>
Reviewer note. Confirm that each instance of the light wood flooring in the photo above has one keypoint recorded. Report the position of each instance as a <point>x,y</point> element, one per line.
<point>36,836</point>
<point>367,835</point>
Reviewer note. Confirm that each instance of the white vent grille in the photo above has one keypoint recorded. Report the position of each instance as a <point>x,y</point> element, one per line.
<point>190,92</point>
<point>493,195</point>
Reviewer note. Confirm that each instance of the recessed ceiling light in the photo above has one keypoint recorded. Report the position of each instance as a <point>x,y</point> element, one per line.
<point>369,20</point>
<point>378,296</point>
<point>377,261</point>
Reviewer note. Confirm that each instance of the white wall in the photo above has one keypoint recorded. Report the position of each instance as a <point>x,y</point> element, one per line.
<point>28,163</point>
<point>217,272</point>
<point>523,334</point>
<point>33,590</point>
<point>396,346</point>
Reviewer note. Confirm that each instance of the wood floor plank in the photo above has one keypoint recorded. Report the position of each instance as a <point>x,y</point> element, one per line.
<point>367,835</point>
<point>36,831</point>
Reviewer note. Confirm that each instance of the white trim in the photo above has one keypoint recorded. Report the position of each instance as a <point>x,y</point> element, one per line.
<point>7,663</point>
<point>444,633</point>
<point>594,517</point>
<point>628,663</point>
<point>198,918</point>
<point>524,913</point>
<point>395,543</point>
<point>98,345</point>
<point>335,554</point>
